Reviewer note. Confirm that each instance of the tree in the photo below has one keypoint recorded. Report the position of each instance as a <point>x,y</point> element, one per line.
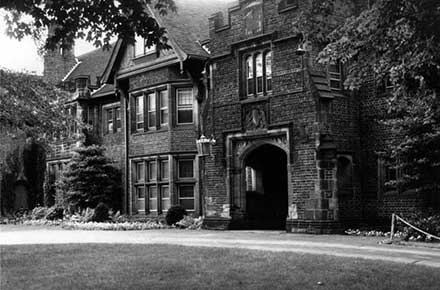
<point>29,104</point>
<point>97,21</point>
<point>399,40</point>
<point>90,178</point>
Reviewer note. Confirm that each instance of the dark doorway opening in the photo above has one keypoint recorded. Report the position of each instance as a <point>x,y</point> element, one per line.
<point>266,188</point>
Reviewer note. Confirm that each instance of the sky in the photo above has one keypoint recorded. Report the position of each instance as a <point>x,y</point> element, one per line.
<point>22,55</point>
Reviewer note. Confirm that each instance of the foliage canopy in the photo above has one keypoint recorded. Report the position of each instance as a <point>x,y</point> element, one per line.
<point>399,40</point>
<point>96,21</point>
<point>29,104</point>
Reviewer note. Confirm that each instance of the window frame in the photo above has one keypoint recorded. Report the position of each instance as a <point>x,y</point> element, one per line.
<point>155,93</point>
<point>184,107</point>
<point>139,113</point>
<point>145,50</point>
<point>150,111</point>
<point>116,123</point>
<point>251,79</point>
<point>335,76</point>
<point>109,120</point>
<point>186,181</point>
<point>163,107</point>
<point>153,183</point>
<point>118,119</point>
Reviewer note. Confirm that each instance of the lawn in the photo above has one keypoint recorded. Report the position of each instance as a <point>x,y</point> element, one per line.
<point>93,266</point>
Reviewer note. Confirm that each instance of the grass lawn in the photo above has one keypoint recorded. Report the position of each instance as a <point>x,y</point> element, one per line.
<point>93,266</point>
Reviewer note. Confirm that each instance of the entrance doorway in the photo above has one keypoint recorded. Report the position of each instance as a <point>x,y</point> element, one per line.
<point>266,187</point>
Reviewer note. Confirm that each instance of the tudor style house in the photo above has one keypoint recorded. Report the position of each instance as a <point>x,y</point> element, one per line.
<point>236,122</point>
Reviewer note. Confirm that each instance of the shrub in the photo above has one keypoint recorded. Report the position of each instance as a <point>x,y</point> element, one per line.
<point>55,213</point>
<point>190,223</point>
<point>101,213</point>
<point>428,220</point>
<point>175,214</point>
<point>39,212</point>
<point>89,178</point>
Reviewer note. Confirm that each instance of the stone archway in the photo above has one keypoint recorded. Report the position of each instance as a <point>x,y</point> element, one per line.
<point>266,193</point>
<point>271,150</point>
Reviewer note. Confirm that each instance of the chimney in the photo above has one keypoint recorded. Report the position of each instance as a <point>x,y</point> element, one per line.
<point>58,62</point>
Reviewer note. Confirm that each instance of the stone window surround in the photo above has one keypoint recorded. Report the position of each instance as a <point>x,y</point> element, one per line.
<point>335,75</point>
<point>172,182</point>
<point>148,181</point>
<point>105,108</point>
<point>171,107</point>
<point>252,54</point>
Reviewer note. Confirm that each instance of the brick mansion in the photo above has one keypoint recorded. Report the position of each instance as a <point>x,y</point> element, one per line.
<point>236,122</point>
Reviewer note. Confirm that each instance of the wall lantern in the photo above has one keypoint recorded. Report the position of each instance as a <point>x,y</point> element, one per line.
<point>204,145</point>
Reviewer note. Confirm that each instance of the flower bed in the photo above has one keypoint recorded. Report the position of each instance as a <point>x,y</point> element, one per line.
<point>83,221</point>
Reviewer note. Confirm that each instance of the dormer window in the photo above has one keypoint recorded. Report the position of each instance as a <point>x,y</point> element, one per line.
<point>81,83</point>
<point>141,49</point>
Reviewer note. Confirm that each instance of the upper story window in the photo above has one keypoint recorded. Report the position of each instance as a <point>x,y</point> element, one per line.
<point>151,110</point>
<point>185,101</point>
<point>109,117</point>
<point>118,122</point>
<point>258,73</point>
<point>81,83</point>
<point>91,116</point>
<point>268,66</point>
<point>335,75</point>
<point>139,107</point>
<point>73,122</point>
<point>112,119</point>
<point>163,100</point>
<point>250,75</point>
<point>140,47</point>
<point>155,110</point>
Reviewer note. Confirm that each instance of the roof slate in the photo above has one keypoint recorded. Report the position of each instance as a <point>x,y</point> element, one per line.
<point>91,64</point>
<point>190,25</point>
<point>104,90</point>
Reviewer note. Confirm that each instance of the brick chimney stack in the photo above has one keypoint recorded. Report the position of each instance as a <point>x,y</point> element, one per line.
<point>58,62</point>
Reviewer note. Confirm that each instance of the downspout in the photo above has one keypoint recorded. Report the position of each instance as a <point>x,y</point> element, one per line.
<point>126,149</point>
<point>124,100</point>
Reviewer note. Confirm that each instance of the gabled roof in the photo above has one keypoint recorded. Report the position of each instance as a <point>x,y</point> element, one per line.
<point>190,24</point>
<point>186,29</point>
<point>104,90</point>
<point>91,64</point>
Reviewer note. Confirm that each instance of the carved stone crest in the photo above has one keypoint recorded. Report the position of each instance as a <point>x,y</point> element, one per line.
<point>255,119</point>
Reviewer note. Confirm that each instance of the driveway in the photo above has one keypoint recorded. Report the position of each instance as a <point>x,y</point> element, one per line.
<point>335,245</point>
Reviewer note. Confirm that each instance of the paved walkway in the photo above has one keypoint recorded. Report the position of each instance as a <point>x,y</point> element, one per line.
<point>343,246</point>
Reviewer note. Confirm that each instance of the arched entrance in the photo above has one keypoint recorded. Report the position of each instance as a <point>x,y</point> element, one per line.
<point>265,177</point>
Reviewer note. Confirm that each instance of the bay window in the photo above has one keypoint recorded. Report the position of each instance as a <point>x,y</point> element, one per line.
<point>151,185</point>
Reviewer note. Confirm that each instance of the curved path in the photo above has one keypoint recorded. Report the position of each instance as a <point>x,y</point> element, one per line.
<point>343,246</point>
